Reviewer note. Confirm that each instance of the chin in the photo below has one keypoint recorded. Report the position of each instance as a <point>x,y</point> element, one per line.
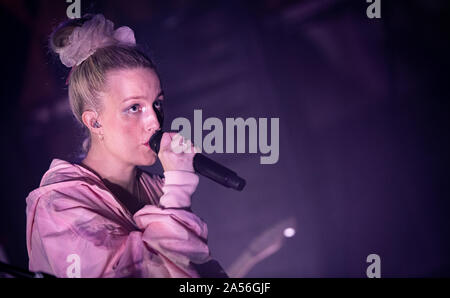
<point>148,161</point>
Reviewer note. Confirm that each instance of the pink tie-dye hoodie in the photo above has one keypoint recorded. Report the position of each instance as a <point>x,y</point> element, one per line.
<point>77,228</point>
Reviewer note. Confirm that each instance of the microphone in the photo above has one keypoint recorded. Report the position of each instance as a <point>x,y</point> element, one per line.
<point>206,167</point>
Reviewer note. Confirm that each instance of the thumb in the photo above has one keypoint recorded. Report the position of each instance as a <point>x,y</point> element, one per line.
<point>165,140</point>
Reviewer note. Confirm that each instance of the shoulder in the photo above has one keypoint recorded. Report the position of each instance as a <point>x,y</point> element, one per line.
<point>63,171</point>
<point>66,185</point>
<point>69,197</point>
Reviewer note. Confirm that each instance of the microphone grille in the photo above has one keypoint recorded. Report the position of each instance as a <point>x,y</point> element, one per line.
<point>155,141</point>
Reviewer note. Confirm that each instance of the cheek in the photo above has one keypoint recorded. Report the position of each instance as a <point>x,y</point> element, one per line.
<point>124,130</point>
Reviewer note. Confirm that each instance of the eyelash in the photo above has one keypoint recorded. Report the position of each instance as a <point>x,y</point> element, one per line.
<point>159,102</point>
<point>129,109</point>
<point>156,102</point>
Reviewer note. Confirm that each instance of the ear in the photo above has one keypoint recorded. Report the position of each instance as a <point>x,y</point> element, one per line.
<point>90,119</point>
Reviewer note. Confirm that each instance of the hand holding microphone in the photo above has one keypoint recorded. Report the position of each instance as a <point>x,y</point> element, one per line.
<point>177,154</point>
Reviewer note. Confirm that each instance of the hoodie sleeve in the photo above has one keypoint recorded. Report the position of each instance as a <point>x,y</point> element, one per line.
<point>73,236</point>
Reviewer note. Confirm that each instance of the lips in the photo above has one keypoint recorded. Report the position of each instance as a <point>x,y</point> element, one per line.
<point>148,139</point>
<point>147,144</point>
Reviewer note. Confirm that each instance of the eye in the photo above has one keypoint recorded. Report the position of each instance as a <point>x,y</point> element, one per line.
<point>158,104</point>
<point>133,109</point>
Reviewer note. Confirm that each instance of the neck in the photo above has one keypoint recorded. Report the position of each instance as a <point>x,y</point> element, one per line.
<point>110,169</point>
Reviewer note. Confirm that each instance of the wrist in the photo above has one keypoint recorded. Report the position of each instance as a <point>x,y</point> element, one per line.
<point>178,188</point>
<point>180,177</point>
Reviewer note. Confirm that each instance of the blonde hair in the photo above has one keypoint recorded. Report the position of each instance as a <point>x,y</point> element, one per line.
<point>87,79</point>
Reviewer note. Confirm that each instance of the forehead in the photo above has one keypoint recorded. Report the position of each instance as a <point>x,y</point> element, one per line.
<point>123,83</point>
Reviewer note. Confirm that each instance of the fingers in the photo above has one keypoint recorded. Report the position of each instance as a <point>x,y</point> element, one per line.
<point>177,143</point>
<point>165,140</point>
<point>189,147</point>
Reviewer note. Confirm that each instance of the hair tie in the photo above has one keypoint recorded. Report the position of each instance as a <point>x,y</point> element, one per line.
<point>95,33</point>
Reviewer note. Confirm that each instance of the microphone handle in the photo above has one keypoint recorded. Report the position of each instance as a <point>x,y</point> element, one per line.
<point>216,172</point>
<point>206,167</point>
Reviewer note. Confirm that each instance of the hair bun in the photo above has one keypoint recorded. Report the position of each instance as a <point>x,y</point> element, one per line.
<point>76,40</point>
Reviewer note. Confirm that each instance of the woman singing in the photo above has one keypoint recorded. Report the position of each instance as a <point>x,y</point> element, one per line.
<point>105,217</point>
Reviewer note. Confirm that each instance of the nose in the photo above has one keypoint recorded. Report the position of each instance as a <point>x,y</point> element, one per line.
<point>150,120</point>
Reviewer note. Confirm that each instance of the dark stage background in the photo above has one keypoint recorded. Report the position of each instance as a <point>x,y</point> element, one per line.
<point>363,109</point>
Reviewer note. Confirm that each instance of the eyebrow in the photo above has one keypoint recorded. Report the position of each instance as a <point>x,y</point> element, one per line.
<point>161,93</point>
